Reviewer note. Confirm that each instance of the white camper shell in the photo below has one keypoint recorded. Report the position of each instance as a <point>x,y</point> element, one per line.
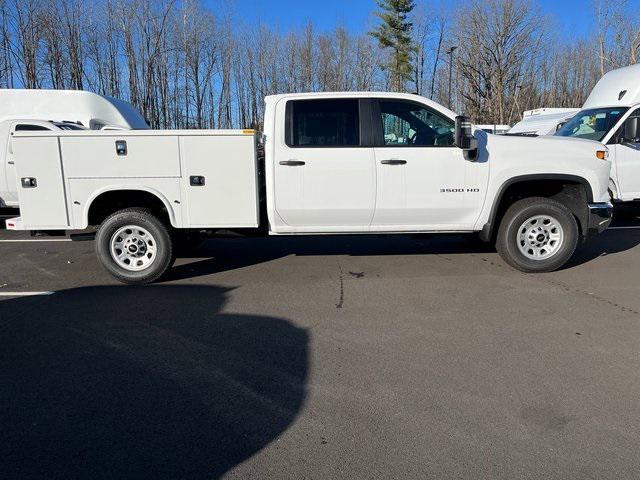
<point>91,110</point>
<point>611,115</point>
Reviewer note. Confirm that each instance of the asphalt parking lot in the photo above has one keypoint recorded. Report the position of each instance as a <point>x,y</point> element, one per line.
<point>322,357</point>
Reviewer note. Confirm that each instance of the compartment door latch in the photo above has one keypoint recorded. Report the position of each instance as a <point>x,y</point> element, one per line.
<point>121,147</point>
<point>28,182</point>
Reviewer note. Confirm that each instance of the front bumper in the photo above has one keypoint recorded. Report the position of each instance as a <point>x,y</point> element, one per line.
<point>599,217</point>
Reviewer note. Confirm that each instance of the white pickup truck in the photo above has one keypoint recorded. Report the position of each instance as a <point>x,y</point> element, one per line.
<point>611,115</point>
<point>334,163</point>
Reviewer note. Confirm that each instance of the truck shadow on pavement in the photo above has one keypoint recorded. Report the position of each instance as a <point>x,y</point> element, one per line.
<point>220,255</point>
<point>611,241</point>
<point>607,243</point>
<point>152,382</point>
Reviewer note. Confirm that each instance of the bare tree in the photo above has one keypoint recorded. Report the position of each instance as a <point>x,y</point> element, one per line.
<point>27,16</point>
<point>501,40</point>
<point>184,64</point>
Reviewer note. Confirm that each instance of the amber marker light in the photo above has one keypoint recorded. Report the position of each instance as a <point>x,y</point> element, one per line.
<point>602,154</point>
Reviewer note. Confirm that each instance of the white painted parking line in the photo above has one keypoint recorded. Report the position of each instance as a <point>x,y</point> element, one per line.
<point>17,240</point>
<point>24,294</point>
<point>623,228</point>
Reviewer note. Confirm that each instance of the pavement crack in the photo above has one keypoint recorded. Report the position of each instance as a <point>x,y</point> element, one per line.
<point>341,281</point>
<point>568,288</point>
<point>595,296</point>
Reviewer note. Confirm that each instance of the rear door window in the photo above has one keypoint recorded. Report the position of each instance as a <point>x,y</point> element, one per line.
<point>323,123</point>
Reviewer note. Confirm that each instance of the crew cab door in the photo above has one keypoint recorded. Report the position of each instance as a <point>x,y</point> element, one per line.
<point>626,158</point>
<point>423,180</point>
<point>324,175</point>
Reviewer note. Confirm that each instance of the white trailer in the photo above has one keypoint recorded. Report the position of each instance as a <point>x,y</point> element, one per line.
<point>611,115</point>
<point>334,163</point>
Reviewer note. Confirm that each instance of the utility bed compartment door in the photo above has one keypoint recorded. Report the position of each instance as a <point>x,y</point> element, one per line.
<point>41,191</point>
<point>96,156</point>
<point>219,178</point>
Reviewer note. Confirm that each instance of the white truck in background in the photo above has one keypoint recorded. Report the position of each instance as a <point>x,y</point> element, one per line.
<point>88,109</point>
<point>542,121</point>
<point>334,163</point>
<point>495,129</point>
<point>611,115</point>
<point>54,110</point>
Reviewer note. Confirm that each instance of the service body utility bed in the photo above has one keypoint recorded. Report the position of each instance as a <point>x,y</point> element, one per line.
<point>205,178</point>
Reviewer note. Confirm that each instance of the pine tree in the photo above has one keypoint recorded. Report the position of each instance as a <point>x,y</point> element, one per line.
<point>394,32</point>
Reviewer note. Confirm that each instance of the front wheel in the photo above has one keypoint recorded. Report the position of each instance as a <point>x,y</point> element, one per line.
<point>537,235</point>
<point>134,246</point>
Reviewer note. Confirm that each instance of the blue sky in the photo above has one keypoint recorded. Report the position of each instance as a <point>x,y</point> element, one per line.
<point>572,17</point>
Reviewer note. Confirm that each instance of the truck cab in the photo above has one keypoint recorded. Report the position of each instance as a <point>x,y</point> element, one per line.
<point>610,115</point>
<point>374,163</point>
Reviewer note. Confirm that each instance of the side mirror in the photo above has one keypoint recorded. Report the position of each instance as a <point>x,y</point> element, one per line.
<point>631,132</point>
<point>464,136</point>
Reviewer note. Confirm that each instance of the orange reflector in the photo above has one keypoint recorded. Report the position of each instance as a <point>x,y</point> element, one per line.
<point>601,154</point>
<point>248,132</point>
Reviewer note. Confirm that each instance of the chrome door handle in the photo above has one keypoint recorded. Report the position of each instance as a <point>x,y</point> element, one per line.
<point>292,163</point>
<point>393,161</point>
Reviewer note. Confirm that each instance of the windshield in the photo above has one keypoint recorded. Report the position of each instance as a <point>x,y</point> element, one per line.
<point>592,124</point>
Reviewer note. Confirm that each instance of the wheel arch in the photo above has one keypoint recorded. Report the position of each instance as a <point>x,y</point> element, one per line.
<point>545,185</point>
<point>614,192</point>
<point>110,199</point>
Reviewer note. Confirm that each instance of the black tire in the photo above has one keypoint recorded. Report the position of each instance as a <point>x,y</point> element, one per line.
<point>509,234</point>
<point>162,242</point>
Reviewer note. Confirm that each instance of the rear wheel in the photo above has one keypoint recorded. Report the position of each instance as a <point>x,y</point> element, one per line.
<point>537,235</point>
<point>134,246</point>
